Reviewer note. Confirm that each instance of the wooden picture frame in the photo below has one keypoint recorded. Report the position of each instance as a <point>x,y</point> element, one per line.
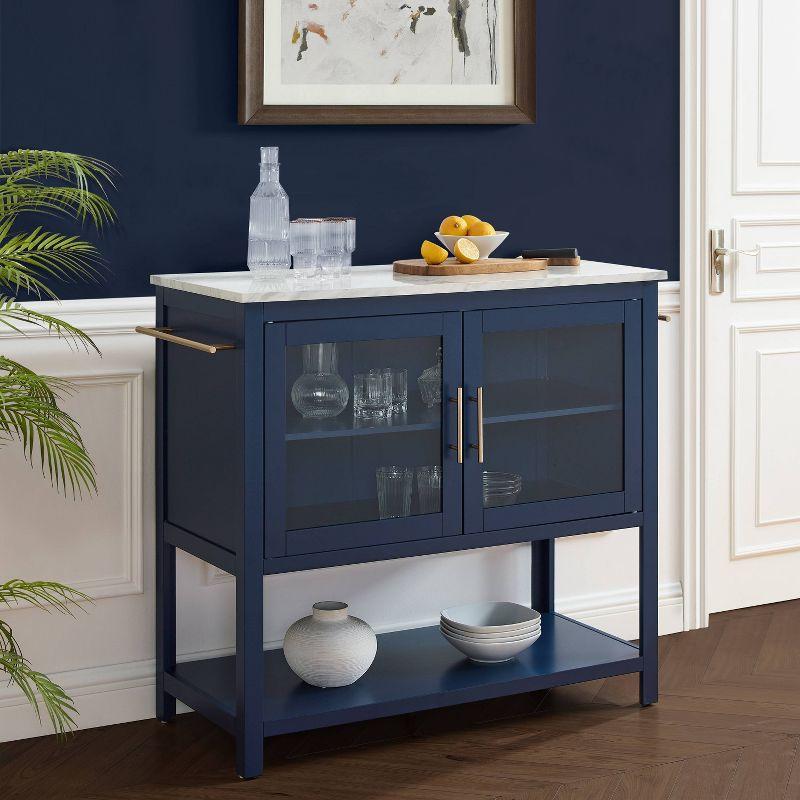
<point>253,111</point>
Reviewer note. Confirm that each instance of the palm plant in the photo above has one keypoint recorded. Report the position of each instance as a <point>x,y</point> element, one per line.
<point>63,185</point>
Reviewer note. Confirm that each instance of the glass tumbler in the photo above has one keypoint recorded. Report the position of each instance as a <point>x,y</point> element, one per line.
<point>350,241</point>
<point>372,394</point>
<point>304,246</point>
<point>399,379</point>
<point>394,492</point>
<point>333,257</point>
<point>429,489</point>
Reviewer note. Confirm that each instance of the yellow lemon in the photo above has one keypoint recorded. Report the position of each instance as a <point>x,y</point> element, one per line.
<point>470,219</point>
<point>454,226</point>
<point>481,229</point>
<point>466,251</point>
<point>432,253</point>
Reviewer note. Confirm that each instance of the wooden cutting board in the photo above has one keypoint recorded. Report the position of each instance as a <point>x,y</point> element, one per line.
<point>417,266</point>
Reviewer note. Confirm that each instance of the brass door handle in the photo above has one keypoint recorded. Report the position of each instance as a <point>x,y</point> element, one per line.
<point>459,446</point>
<point>166,335</point>
<point>479,446</point>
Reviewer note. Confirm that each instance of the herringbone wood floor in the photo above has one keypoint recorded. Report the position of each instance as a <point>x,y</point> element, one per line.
<point>727,726</point>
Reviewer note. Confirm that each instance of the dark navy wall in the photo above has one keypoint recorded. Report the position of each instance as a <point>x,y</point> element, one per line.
<point>150,85</point>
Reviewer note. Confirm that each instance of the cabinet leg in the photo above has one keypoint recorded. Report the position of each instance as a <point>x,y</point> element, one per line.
<point>165,626</point>
<point>648,611</point>
<point>543,575</point>
<point>249,670</point>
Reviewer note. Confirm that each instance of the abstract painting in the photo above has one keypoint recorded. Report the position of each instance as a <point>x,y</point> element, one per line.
<point>386,61</point>
<point>440,42</point>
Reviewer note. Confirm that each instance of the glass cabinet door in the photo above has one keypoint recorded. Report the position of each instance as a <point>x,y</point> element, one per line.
<point>363,444</point>
<point>548,397</point>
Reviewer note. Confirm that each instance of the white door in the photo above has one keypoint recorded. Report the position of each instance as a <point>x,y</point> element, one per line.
<point>752,353</point>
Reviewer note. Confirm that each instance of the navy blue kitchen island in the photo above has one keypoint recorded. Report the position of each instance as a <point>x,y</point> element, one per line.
<point>550,376</point>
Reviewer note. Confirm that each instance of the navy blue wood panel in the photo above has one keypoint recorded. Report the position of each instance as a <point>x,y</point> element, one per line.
<point>415,670</point>
<point>165,551</point>
<point>561,316</point>
<point>452,471</point>
<point>648,531</point>
<point>274,438</point>
<point>543,575</point>
<point>449,544</point>
<point>364,328</point>
<point>250,550</point>
<point>633,405</point>
<point>545,511</point>
<point>200,548</point>
<point>363,534</point>
<point>203,406</point>
<point>342,308</point>
<point>473,378</point>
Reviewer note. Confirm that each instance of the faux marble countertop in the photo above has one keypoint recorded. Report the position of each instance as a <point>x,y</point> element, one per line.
<point>380,281</point>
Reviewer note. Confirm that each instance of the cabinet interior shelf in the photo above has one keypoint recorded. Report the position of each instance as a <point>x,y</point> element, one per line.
<point>511,401</point>
<point>413,670</point>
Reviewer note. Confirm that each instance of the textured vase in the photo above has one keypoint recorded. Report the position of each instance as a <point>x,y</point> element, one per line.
<point>320,392</point>
<point>330,648</point>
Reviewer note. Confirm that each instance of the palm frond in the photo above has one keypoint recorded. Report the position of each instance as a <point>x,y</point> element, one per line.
<point>12,312</point>
<point>29,413</point>
<point>27,259</point>
<point>70,201</point>
<point>38,688</point>
<point>42,594</point>
<point>44,164</point>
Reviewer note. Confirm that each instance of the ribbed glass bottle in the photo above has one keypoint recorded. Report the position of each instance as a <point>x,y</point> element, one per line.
<point>268,243</point>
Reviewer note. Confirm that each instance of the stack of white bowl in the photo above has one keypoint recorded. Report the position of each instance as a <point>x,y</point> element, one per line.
<point>491,632</point>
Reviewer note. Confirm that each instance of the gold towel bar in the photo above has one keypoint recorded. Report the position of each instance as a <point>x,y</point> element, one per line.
<point>166,335</point>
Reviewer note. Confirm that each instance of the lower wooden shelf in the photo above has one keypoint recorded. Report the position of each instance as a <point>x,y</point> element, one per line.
<point>414,670</point>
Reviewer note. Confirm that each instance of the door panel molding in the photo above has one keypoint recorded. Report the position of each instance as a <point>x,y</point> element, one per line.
<point>751,396</point>
<point>774,274</point>
<point>752,172</point>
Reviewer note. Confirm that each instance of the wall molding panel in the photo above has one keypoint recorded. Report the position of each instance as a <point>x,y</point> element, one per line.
<point>105,658</point>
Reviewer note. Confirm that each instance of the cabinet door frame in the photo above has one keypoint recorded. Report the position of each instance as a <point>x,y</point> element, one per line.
<point>628,313</point>
<point>280,542</point>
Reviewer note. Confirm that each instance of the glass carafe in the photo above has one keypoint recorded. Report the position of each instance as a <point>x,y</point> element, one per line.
<point>320,392</point>
<point>268,243</point>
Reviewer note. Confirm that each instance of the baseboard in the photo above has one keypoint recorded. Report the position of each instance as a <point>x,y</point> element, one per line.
<point>117,693</point>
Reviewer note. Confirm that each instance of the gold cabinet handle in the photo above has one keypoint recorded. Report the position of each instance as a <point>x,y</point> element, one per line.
<point>166,335</point>
<point>459,446</point>
<point>479,446</point>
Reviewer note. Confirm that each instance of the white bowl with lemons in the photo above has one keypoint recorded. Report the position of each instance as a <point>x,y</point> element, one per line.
<point>480,233</point>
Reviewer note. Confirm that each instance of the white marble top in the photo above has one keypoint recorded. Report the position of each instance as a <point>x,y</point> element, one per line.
<point>380,281</point>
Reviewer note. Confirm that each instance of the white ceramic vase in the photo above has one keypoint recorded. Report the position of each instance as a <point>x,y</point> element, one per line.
<point>330,648</point>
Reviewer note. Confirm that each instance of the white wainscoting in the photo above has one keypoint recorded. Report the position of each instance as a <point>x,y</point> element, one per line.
<point>104,544</point>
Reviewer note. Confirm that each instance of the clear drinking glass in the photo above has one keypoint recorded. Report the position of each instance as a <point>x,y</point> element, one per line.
<point>268,240</point>
<point>429,489</point>
<point>372,394</point>
<point>304,246</point>
<point>333,257</point>
<point>399,379</point>
<point>394,492</point>
<point>350,241</point>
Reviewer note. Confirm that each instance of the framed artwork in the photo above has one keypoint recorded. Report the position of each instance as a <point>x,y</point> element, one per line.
<point>361,62</point>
